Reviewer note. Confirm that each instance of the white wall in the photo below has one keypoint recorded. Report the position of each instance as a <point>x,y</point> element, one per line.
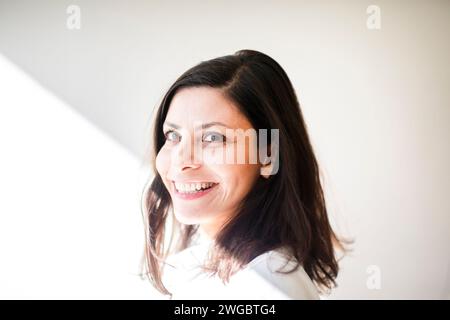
<point>70,219</point>
<point>376,103</point>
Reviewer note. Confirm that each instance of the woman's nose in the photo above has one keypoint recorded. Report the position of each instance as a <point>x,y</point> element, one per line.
<point>186,154</point>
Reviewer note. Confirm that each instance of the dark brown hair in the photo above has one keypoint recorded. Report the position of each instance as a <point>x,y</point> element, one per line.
<point>287,210</point>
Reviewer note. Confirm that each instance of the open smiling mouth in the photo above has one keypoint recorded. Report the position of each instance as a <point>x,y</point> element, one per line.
<point>190,191</point>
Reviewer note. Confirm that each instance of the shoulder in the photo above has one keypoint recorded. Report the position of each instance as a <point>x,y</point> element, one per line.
<point>268,277</point>
<point>265,277</point>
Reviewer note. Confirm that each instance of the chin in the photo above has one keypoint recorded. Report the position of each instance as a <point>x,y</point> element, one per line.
<point>186,218</point>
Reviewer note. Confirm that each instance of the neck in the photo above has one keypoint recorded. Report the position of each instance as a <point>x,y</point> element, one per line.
<point>211,229</point>
<point>207,232</point>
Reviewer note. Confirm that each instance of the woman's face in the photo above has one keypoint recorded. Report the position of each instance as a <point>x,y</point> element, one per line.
<point>183,173</point>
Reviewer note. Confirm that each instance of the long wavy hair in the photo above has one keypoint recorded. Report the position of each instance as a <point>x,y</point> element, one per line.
<point>286,210</point>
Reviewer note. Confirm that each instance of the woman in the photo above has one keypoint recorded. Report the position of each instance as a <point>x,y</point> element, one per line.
<point>217,227</point>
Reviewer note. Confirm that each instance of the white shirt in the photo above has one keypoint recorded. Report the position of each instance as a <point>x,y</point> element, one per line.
<point>184,278</point>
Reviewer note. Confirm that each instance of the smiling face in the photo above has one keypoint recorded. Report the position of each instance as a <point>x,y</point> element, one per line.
<point>205,190</point>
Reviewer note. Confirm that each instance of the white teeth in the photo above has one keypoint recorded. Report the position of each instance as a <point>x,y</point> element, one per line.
<point>192,187</point>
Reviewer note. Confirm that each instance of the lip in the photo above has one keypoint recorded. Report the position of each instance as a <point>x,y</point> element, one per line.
<point>192,196</point>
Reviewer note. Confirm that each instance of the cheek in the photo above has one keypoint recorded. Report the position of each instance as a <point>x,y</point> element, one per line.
<point>213,156</point>
<point>234,165</point>
<point>230,154</point>
<point>163,162</point>
<point>239,178</point>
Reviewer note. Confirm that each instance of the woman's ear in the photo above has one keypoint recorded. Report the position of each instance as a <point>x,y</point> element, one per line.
<point>270,162</point>
<point>266,168</point>
<point>266,165</point>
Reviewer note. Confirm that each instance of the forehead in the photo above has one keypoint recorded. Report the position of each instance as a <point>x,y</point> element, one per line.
<point>205,104</point>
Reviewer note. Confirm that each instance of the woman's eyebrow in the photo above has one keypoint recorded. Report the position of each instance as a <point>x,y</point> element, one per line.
<point>203,126</point>
<point>167,123</point>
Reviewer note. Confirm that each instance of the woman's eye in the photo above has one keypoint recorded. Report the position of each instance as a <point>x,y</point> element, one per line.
<point>214,137</point>
<point>172,136</point>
